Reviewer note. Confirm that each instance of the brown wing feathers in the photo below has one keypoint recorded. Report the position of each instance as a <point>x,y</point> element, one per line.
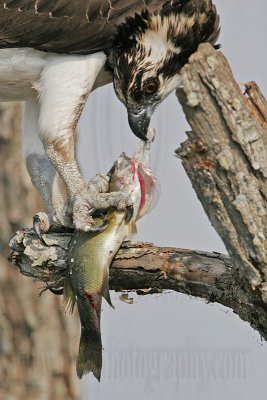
<point>77,26</point>
<point>63,26</point>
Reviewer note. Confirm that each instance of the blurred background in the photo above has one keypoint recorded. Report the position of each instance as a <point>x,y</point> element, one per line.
<point>171,345</point>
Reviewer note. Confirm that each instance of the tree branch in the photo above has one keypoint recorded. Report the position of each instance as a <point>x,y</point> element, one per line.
<point>147,269</point>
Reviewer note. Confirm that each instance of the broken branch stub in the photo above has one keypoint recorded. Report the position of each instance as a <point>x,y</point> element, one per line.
<point>225,157</point>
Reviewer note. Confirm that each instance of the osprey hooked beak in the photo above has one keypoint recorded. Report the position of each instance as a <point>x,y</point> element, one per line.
<point>139,123</point>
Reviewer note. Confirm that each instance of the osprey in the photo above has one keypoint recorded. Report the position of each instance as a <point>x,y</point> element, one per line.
<point>54,53</point>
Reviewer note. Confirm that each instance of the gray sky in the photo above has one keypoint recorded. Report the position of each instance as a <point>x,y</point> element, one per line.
<point>174,346</point>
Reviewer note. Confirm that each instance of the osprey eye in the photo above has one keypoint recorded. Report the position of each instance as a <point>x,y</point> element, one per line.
<point>151,85</point>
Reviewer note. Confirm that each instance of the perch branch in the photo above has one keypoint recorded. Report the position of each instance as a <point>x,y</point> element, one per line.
<point>148,269</point>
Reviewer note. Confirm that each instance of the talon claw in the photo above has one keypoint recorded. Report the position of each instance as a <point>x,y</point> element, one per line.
<point>92,211</point>
<point>14,245</point>
<point>14,248</point>
<point>100,228</point>
<point>111,171</point>
<point>96,213</point>
<point>57,291</point>
<point>36,229</point>
<point>129,213</point>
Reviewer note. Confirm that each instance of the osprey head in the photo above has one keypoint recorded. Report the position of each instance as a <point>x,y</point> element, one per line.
<point>149,51</point>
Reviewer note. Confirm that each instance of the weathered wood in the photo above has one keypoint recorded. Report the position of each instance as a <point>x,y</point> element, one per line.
<point>147,269</point>
<point>225,157</point>
<point>257,101</point>
<point>38,342</point>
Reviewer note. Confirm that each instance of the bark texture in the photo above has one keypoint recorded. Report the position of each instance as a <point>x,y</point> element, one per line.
<point>147,269</point>
<point>225,158</point>
<point>38,343</point>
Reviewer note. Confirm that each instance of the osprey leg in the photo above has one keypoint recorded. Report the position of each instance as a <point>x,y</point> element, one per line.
<point>43,175</point>
<point>63,89</point>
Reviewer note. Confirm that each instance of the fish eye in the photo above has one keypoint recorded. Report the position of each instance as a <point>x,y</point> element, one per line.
<point>151,85</point>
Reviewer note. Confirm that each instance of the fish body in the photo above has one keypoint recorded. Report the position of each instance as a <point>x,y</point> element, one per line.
<point>91,254</point>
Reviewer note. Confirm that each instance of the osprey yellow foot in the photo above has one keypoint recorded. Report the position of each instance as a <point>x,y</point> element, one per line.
<point>82,207</point>
<point>95,196</point>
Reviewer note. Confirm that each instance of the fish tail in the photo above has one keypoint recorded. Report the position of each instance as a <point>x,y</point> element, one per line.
<point>90,349</point>
<point>90,355</point>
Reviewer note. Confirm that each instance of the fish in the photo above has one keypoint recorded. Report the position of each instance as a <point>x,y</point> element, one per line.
<point>91,253</point>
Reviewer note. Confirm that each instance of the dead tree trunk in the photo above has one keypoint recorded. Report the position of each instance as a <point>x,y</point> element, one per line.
<point>37,343</point>
<point>225,158</point>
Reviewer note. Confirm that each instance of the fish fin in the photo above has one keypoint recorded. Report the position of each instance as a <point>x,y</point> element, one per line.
<point>68,295</point>
<point>105,289</point>
<point>132,230</point>
<point>90,355</point>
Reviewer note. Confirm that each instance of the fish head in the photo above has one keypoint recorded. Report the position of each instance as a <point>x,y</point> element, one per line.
<point>133,176</point>
<point>121,174</point>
